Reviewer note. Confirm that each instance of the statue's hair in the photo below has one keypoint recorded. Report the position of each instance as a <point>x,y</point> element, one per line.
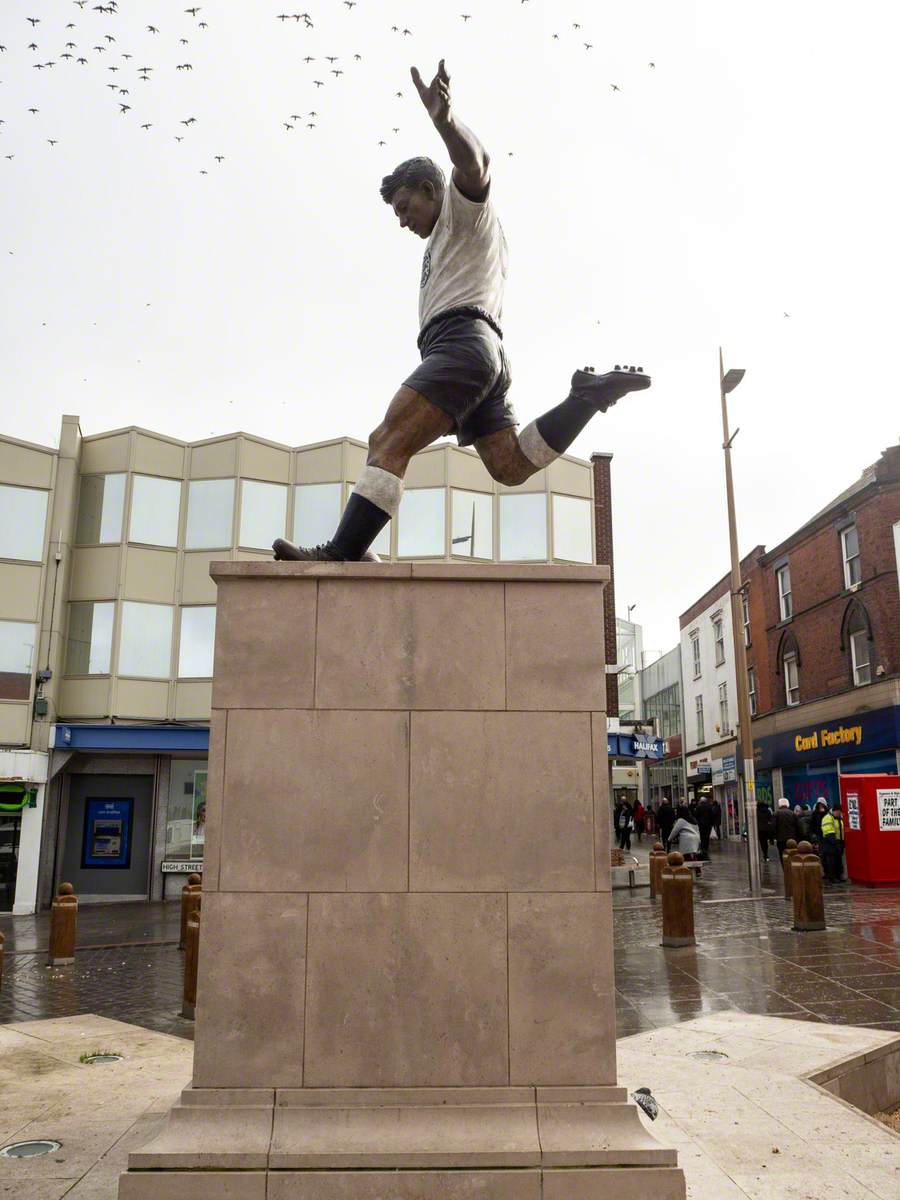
<point>412,174</point>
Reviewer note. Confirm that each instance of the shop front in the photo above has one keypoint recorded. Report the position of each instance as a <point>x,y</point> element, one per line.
<point>811,758</point>
<point>129,817</point>
<point>23,777</point>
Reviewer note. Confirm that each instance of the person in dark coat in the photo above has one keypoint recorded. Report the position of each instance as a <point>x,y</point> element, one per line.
<point>764,828</point>
<point>785,827</point>
<point>717,819</point>
<point>622,823</point>
<point>804,819</point>
<point>815,825</point>
<point>665,818</point>
<point>704,824</point>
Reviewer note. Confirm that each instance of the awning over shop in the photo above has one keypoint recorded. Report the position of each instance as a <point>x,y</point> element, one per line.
<point>154,739</point>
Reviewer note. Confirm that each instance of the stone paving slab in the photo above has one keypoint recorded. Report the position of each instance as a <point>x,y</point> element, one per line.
<point>747,1126</point>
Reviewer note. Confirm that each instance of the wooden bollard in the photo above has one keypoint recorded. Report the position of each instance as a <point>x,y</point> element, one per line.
<point>191,947</point>
<point>806,885</point>
<point>657,862</point>
<point>790,849</point>
<point>63,916</point>
<point>677,903</point>
<point>190,899</point>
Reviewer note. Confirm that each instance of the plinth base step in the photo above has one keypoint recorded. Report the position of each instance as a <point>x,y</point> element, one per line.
<point>521,1143</point>
<point>575,1183</point>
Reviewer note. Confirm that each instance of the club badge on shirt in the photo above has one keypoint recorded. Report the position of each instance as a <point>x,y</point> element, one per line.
<point>426,269</point>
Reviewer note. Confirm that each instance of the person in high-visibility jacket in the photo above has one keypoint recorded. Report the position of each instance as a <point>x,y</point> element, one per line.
<point>833,845</point>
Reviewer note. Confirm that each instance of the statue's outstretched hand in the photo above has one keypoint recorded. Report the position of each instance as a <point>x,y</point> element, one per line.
<point>436,95</point>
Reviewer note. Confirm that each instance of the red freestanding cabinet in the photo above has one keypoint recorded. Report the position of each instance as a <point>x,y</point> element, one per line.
<point>871,805</point>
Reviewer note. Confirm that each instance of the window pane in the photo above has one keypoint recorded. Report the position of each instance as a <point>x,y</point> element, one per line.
<point>155,504</point>
<point>209,515</point>
<point>851,542</point>
<point>100,505</point>
<point>472,523</point>
<point>263,513</point>
<point>23,514</point>
<point>89,644</point>
<point>146,642</point>
<point>186,813</point>
<point>195,649</point>
<point>421,524</point>
<point>523,527</point>
<point>317,510</point>
<point>572,529</point>
<point>17,643</point>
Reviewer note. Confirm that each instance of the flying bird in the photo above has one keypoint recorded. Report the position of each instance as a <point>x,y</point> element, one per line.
<point>32,45</point>
<point>34,110</point>
<point>219,157</point>
<point>148,125</point>
<point>51,141</point>
<point>152,29</point>
<point>193,11</point>
<point>336,72</point>
<point>189,121</point>
<point>309,58</point>
<point>466,16</point>
<point>615,87</point>
<point>318,83</point>
<point>34,21</point>
<point>652,66</point>
<point>125,108</point>
<point>332,58</point>
<point>286,125</point>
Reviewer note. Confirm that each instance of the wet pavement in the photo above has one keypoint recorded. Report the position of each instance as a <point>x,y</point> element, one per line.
<point>128,965</point>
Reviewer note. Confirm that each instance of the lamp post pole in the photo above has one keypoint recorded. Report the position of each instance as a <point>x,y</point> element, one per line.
<point>727,383</point>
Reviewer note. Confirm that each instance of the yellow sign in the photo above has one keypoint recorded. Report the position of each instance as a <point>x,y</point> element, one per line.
<point>835,735</point>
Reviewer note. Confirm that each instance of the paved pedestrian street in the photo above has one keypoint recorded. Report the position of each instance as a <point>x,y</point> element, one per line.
<point>128,965</point>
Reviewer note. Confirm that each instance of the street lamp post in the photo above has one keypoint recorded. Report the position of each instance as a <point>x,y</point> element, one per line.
<point>727,383</point>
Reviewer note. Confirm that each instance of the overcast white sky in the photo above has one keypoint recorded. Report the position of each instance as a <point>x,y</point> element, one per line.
<point>752,172</point>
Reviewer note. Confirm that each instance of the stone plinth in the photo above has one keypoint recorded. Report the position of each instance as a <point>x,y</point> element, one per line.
<point>406,977</point>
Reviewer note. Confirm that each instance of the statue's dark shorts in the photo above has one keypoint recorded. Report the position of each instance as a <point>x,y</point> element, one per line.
<point>465,372</point>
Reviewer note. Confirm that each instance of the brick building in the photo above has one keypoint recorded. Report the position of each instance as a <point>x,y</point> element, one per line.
<point>824,641</point>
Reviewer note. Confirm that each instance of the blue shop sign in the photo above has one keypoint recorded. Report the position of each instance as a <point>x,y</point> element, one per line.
<point>634,745</point>
<point>856,734</point>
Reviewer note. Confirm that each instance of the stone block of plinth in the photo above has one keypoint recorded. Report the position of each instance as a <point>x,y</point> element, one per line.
<point>405,985</point>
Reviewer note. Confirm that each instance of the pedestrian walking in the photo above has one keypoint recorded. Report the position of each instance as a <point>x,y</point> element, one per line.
<point>785,827</point>
<point>717,819</point>
<point>622,822</point>
<point>704,824</point>
<point>832,831</point>
<point>640,818</point>
<point>764,828</point>
<point>804,816</point>
<point>815,824</point>
<point>685,836</point>
<point>666,819</point>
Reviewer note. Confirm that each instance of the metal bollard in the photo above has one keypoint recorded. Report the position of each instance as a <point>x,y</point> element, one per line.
<point>790,849</point>
<point>657,863</point>
<point>191,947</point>
<point>190,899</point>
<point>677,903</point>
<point>63,916</point>
<point>806,885</point>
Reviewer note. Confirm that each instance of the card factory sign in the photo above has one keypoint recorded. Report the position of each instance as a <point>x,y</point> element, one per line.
<point>861,733</point>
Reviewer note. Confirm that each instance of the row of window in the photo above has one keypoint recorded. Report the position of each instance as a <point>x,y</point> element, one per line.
<point>209,522</point>
<point>145,644</point>
<point>724,726</point>
<point>852,569</point>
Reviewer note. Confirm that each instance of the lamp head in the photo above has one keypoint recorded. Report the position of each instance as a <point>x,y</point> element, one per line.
<point>731,379</point>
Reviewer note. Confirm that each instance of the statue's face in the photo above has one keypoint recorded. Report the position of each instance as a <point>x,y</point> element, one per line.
<point>417,209</point>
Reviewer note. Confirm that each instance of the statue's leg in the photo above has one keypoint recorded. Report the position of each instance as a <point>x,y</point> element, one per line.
<point>513,457</point>
<point>553,433</point>
<point>410,424</point>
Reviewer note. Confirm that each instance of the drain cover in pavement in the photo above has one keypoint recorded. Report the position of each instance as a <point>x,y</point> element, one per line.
<point>707,1055</point>
<point>29,1149</point>
<point>95,1059</point>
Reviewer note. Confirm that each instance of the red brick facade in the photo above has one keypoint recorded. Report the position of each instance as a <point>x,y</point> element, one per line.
<point>604,554</point>
<point>821,601</point>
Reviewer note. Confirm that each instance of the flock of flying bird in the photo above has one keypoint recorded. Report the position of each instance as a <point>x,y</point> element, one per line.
<point>75,53</point>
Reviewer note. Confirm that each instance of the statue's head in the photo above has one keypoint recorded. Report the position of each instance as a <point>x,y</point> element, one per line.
<point>415,191</point>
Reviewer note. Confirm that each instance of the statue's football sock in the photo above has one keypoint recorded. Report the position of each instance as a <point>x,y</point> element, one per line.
<point>372,503</point>
<point>553,433</point>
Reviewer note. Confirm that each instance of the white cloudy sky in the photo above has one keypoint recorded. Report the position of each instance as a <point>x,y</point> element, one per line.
<point>751,173</point>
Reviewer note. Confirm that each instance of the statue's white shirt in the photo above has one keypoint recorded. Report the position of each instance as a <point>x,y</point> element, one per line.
<point>466,260</point>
